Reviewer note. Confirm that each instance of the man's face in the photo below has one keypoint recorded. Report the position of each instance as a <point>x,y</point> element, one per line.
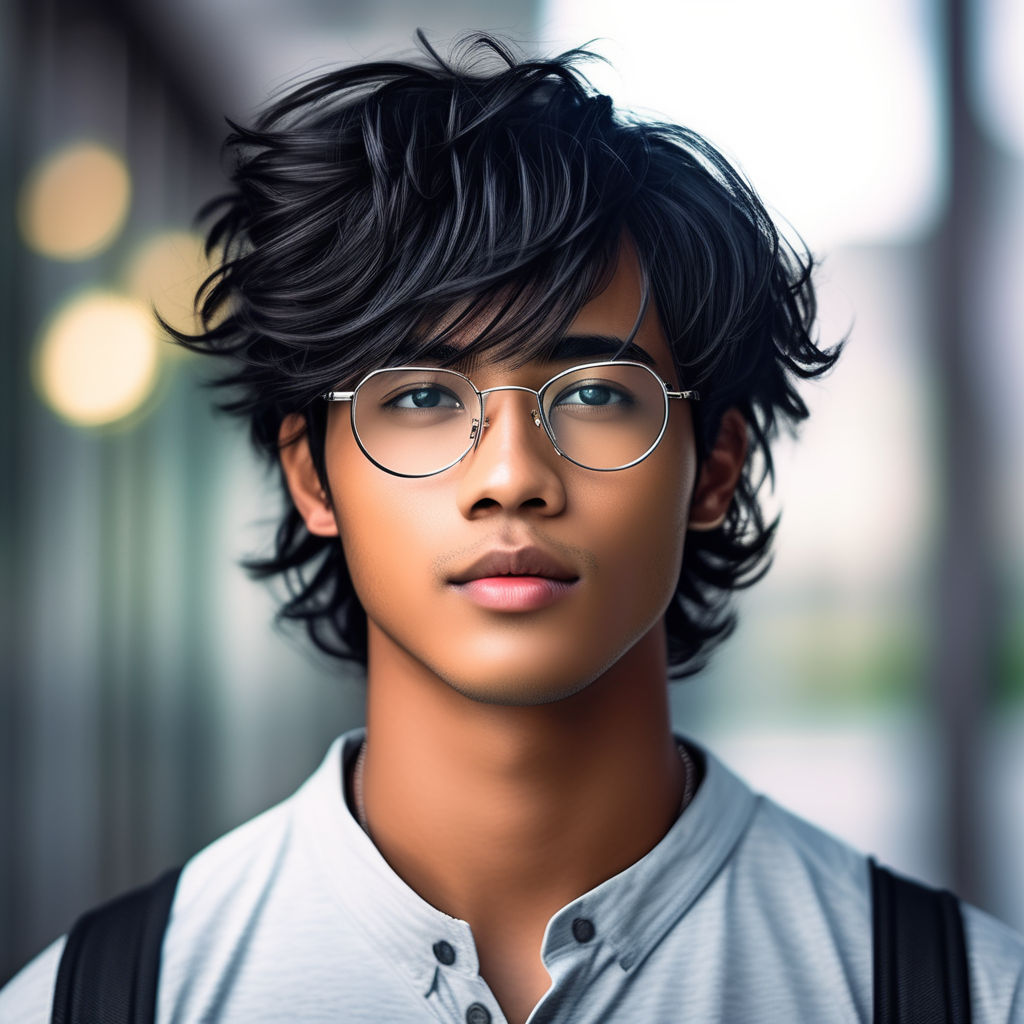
<point>614,540</point>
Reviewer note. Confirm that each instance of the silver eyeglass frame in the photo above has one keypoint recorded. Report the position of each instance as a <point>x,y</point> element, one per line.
<point>539,417</point>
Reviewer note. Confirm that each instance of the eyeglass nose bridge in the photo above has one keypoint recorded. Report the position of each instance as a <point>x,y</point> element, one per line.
<point>476,430</point>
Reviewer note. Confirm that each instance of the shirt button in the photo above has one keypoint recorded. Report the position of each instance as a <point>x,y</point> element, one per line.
<point>444,952</point>
<point>583,929</point>
<point>478,1014</point>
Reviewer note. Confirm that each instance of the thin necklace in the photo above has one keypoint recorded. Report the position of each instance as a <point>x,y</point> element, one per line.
<point>689,782</point>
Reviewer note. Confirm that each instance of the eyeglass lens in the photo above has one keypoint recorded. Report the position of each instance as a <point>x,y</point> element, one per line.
<point>419,421</point>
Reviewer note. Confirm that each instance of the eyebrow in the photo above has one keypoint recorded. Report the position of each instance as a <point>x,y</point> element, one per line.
<point>588,346</point>
<point>570,346</point>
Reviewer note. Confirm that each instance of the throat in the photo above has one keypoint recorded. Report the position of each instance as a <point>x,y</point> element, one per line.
<point>357,799</point>
<point>508,812</point>
<point>508,856</point>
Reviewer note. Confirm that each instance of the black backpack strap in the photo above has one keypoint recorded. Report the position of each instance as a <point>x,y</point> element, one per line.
<point>111,962</point>
<point>920,957</point>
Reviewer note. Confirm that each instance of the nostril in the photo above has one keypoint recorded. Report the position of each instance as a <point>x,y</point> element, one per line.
<point>493,504</point>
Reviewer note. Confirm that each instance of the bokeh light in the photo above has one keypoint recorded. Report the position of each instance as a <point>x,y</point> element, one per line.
<point>74,204</point>
<point>99,359</point>
<point>165,273</point>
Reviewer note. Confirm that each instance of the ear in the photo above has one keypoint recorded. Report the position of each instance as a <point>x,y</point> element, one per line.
<point>303,482</point>
<point>720,473</point>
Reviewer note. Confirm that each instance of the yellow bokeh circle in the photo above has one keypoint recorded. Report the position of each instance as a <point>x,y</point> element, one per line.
<point>99,359</point>
<point>75,204</point>
<point>165,274</point>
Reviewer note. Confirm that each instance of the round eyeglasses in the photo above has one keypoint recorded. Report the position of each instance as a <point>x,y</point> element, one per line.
<point>415,421</point>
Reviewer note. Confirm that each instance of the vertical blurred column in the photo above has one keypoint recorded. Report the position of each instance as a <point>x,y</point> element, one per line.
<point>964,631</point>
<point>995,36</point>
<point>11,649</point>
<point>99,695</point>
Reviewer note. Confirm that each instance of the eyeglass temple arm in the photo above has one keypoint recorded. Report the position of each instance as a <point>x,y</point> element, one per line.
<point>338,396</point>
<point>693,396</point>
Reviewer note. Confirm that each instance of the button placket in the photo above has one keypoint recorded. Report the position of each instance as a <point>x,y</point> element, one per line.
<point>444,952</point>
<point>477,1013</point>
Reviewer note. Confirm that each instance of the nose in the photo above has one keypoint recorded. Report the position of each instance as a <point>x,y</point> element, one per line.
<point>514,467</point>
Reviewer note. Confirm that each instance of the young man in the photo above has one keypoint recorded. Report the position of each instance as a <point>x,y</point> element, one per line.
<point>520,358</point>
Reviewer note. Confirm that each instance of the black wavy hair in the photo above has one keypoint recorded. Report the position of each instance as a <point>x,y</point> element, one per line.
<point>370,203</point>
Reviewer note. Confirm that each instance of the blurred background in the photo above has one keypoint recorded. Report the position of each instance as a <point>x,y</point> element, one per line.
<point>876,681</point>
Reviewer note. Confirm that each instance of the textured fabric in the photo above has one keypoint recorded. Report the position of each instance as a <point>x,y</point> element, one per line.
<point>95,984</point>
<point>920,956</point>
<point>742,913</point>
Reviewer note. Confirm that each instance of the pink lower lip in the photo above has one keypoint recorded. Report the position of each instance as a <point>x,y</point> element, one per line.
<point>515,593</point>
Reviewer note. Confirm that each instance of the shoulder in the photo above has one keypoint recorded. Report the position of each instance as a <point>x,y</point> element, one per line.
<point>220,892</point>
<point>995,952</point>
<point>221,872</point>
<point>248,903</point>
<point>800,869</point>
<point>805,854</point>
<point>790,884</point>
<point>234,876</point>
<point>788,864</point>
<point>211,884</point>
<point>28,997</point>
<point>995,955</point>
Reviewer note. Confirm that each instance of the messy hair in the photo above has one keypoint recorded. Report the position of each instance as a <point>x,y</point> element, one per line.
<point>371,203</point>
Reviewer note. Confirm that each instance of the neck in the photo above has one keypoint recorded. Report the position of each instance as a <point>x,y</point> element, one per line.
<point>503,814</point>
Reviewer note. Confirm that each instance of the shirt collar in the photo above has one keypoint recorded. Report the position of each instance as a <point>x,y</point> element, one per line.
<point>631,911</point>
<point>634,909</point>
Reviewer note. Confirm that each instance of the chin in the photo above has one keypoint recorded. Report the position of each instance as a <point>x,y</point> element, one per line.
<point>521,686</point>
<point>514,693</point>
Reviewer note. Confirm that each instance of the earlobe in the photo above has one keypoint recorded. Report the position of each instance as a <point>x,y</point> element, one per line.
<point>303,482</point>
<point>720,474</point>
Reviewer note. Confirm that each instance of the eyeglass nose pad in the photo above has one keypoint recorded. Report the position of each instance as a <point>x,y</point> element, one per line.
<point>475,428</point>
<point>536,417</point>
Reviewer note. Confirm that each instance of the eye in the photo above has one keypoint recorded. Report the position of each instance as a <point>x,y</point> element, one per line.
<point>426,397</point>
<point>593,394</point>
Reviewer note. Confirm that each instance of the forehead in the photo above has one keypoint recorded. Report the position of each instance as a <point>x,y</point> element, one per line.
<point>619,309</point>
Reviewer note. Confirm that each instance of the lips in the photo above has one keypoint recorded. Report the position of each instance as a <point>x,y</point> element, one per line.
<point>525,561</point>
<point>524,579</point>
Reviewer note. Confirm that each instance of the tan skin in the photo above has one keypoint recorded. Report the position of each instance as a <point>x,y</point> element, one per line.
<point>484,727</point>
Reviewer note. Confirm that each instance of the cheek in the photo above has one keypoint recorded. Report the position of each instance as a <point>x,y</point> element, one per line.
<point>367,505</point>
<point>642,523</point>
<point>385,529</point>
<point>389,529</point>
